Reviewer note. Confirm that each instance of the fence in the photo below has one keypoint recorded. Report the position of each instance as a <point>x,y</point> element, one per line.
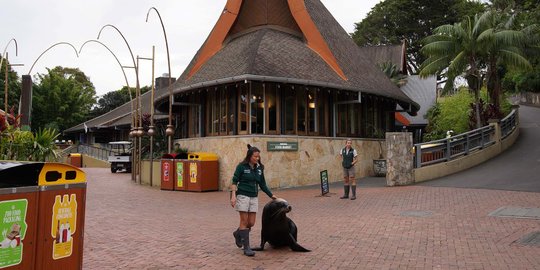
<point>444,150</point>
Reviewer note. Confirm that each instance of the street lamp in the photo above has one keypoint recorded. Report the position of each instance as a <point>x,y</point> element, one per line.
<point>170,128</point>
<point>26,99</point>
<point>5,55</point>
<point>137,132</point>
<point>123,72</point>
<point>151,130</point>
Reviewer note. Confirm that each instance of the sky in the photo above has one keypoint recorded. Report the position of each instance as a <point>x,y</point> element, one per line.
<point>37,25</point>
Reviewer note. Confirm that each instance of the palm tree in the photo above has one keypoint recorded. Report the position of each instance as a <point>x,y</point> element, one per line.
<point>456,50</point>
<point>503,49</point>
<point>392,72</point>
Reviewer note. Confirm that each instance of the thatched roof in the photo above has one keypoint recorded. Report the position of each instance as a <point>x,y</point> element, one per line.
<point>315,50</point>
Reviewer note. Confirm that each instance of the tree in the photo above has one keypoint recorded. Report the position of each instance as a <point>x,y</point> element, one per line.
<point>394,21</point>
<point>455,50</point>
<point>392,72</point>
<point>62,99</point>
<point>14,87</point>
<point>503,49</point>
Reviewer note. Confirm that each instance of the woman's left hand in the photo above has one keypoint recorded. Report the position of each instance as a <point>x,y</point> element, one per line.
<point>274,197</point>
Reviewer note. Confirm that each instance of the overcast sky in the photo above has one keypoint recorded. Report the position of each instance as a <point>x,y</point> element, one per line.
<point>37,25</point>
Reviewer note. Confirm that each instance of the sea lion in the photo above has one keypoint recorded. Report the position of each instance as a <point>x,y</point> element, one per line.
<point>277,228</point>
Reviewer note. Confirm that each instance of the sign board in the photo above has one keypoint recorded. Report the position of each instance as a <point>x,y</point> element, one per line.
<point>325,188</point>
<point>282,146</point>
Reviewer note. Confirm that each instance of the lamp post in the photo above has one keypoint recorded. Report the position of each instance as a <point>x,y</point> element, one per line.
<point>26,99</point>
<point>170,128</point>
<point>151,130</point>
<point>6,85</point>
<point>123,72</point>
<point>136,133</point>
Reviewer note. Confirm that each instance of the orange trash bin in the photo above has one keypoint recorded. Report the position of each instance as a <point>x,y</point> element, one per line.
<point>202,172</point>
<point>61,210</point>
<point>18,209</point>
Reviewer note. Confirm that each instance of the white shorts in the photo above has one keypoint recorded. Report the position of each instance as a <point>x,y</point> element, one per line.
<point>247,204</point>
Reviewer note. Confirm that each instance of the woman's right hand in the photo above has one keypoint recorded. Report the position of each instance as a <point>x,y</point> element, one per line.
<point>233,201</point>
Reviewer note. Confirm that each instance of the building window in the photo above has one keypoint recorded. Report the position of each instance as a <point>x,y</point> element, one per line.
<point>257,108</point>
<point>194,116</point>
<point>243,109</point>
<point>272,109</point>
<point>289,109</point>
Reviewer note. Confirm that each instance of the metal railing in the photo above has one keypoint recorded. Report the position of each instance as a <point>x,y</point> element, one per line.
<point>95,151</point>
<point>508,124</point>
<point>447,149</point>
<point>453,147</point>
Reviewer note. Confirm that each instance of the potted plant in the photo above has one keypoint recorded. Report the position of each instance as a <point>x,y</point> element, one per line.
<point>379,164</point>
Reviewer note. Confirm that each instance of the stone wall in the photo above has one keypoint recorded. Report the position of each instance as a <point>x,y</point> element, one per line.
<point>528,98</point>
<point>286,168</point>
<point>400,159</point>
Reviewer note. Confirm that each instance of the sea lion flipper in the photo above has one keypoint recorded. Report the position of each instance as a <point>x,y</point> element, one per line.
<point>261,248</point>
<point>295,246</point>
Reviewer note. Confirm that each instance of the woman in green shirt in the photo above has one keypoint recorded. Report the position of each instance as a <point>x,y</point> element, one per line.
<point>247,178</point>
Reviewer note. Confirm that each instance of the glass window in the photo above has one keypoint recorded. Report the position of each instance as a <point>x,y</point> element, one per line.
<point>289,109</point>
<point>230,94</point>
<point>194,116</point>
<point>312,111</point>
<point>271,97</point>
<point>243,109</point>
<point>257,109</point>
<point>301,111</point>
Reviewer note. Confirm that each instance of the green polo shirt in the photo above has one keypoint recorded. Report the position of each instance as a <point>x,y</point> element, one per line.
<point>247,180</point>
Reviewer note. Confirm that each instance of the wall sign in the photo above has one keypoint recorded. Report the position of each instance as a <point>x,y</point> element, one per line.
<point>282,146</point>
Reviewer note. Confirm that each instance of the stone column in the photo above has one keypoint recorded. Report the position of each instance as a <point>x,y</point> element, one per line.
<point>400,158</point>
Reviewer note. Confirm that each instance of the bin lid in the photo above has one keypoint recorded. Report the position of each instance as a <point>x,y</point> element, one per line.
<point>203,156</point>
<point>22,174</point>
<point>74,155</point>
<point>169,156</point>
<point>60,174</point>
<point>19,174</point>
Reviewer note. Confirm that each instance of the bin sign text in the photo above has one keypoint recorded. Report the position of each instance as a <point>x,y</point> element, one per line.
<point>64,225</point>
<point>13,229</point>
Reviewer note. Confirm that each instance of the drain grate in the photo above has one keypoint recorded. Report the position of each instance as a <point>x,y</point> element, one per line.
<point>416,213</point>
<point>531,239</point>
<point>516,212</point>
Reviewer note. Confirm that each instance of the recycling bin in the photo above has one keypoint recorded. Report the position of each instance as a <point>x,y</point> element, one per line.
<point>202,172</point>
<point>61,210</point>
<point>42,205</point>
<point>18,209</point>
<point>75,159</point>
<point>180,182</point>
<point>168,171</point>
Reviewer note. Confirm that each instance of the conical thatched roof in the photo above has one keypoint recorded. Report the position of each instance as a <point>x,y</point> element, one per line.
<point>294,41</point>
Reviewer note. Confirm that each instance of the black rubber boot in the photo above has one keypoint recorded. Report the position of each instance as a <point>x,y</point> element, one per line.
<point>237,239</point>
<point>345,192</point>
<point>353,188</point>
<point>244,235</point>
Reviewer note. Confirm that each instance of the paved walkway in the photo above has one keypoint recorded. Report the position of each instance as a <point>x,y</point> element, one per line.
<point>416,227</point>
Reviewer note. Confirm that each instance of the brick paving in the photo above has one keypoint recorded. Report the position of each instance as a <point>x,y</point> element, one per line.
<point>129,226</point>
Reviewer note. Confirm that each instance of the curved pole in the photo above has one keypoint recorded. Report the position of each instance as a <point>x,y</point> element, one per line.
<point>121,67</point>
<point>59,43</point>
<point>170,129</point>
<point>5,49</point>
<point>134,65</point>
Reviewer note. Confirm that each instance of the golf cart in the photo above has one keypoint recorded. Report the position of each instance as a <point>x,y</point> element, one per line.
<point>120,156</point>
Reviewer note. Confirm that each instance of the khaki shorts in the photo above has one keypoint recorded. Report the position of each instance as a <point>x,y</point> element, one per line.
<point>348,172</point>
<point>247,204</point>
